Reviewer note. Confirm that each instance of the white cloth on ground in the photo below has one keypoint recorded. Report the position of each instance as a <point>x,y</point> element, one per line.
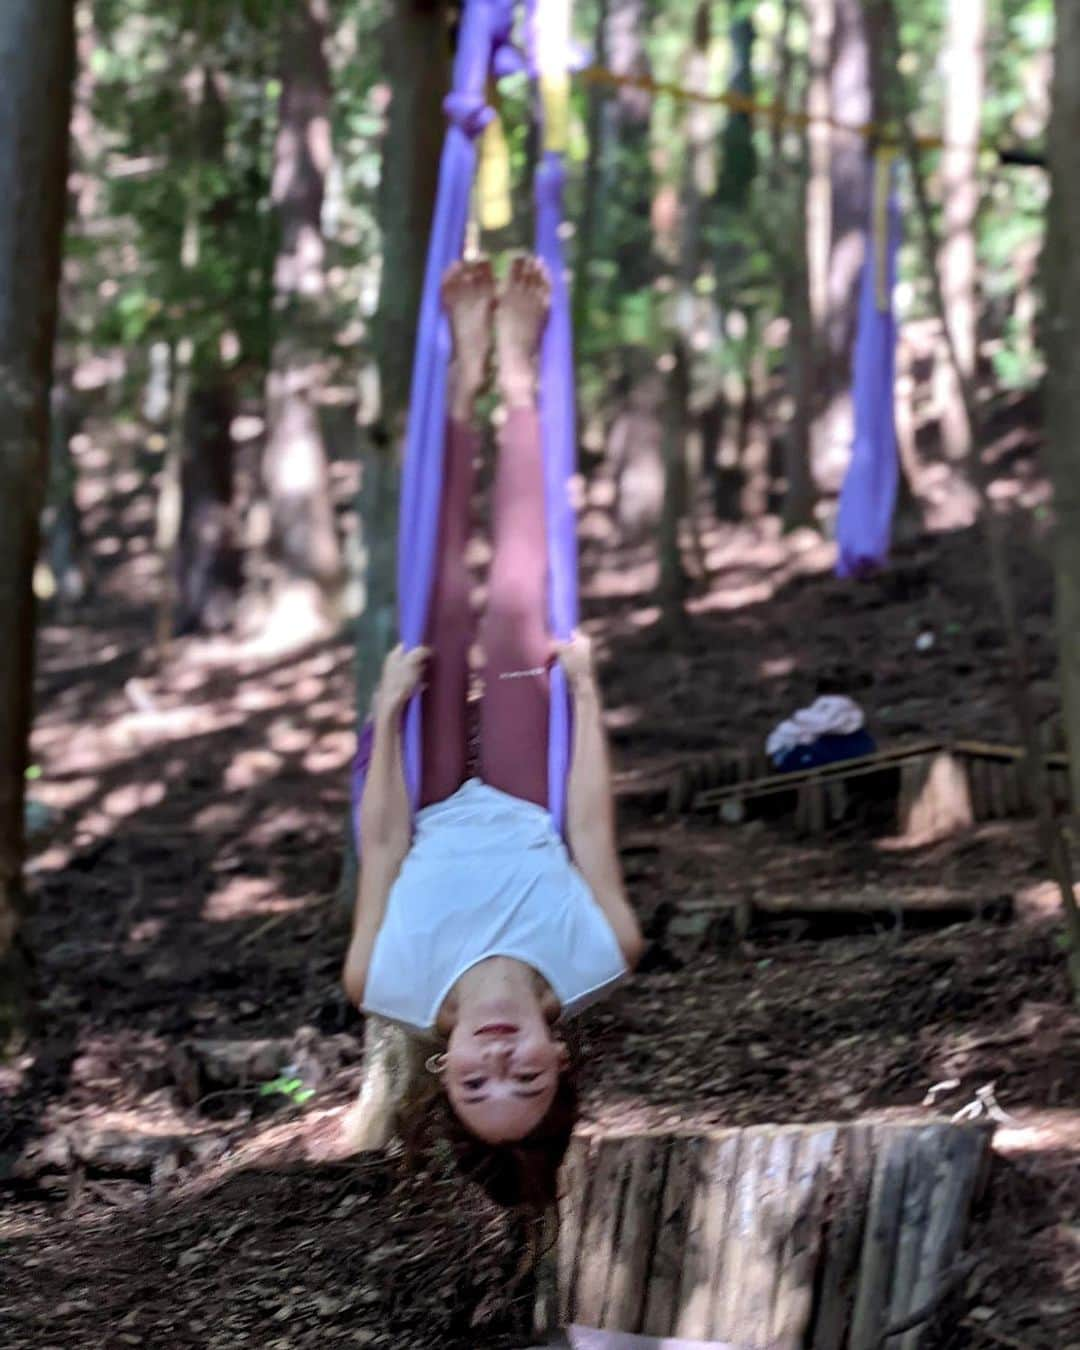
<point>829,715</point>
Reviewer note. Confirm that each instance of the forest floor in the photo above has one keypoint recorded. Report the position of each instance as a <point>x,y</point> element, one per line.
<point>186,874</point>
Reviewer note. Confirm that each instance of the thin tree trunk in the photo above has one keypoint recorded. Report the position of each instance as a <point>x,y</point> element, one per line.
<point>197,537</point>
<point>818,208</point>
<point>964,64</point>
<point>595,126</point>
<point>798,505</point>
<point>417,51</point>
<point>850,171</point>
<point>65,544</point>
<point>673,583</point>
<point>208,554</point>
<point>418,66</point>
<point>627,172</point>
<point>37,44</point>
<point>304,551</point>
<point>1061,265</point>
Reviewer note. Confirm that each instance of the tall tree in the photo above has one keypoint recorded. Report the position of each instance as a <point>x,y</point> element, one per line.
<point>851,102</point>
<point>626,174</point>
<point>304,550</point>
<point>1062,271</point>
<point>417,60</point>
<point>417,50</point>
<point>37,44</point>
<point>963,70</point>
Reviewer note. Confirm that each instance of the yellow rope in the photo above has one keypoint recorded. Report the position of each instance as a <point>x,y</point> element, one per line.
<point>755,107</point>
<point>883,161</point>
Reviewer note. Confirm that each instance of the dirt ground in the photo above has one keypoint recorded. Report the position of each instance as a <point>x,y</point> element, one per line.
<point>188,839</point>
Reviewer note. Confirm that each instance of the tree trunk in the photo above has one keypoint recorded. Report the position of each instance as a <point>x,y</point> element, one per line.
<point>1062,271</point>
<point>739,156</point>
<point>627,172</point>
<point>964,63</point>
<point>673,584</point>
<point>818,206</point>
<point>69,562</point>
<point>850,174</point>
<point>304,552</point>
<point>418,72</point>
<point>595,127</point>
<point>36,69</point>
<point>798,501</point>
<point>209,571</point>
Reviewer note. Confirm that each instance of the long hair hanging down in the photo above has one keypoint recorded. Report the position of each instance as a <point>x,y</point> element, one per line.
<point>521,1174</point>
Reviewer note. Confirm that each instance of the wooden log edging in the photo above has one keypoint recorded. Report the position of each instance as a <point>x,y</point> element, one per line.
<point>939,786</point>
<point>770,1237</point>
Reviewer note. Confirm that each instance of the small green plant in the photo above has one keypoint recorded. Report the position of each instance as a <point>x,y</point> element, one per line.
<point>284,1086</point>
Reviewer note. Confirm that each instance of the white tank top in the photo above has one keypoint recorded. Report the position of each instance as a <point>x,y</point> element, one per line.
<point>487,875</point>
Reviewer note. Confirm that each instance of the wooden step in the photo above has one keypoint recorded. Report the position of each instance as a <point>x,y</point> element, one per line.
<point>766,1238</point>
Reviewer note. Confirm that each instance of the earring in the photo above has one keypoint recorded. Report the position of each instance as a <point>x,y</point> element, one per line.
<point>435,1063</point>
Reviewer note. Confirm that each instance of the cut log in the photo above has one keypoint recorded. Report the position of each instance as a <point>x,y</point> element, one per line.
<point>766,1238</point>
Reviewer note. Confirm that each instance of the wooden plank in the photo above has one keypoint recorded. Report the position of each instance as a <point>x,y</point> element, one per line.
<point>953,1159</point>
<point>636,1237</point>
<point>914,1216</point>
<point>1010,778</point>
<point>849,1179</point>
<point>705,1236</point>
<point>818,817</point>
<point>980,788</point>
<point>666,1271</point>
<point>998,807</point>
<point>846,768</point>
<point>793,1303</point>
<point>574,1184</point>
<point>836,796</point>
<point>879,1239</point>
<point>600,1224</point>
<point>740,1257</point>
<point>768,1230</point>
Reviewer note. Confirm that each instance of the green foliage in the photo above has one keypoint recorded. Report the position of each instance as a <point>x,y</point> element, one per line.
<point>291,1088</point>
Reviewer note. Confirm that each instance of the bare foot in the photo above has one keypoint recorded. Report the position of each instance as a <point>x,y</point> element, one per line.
<point>522,313</point>
<point>468,296</point>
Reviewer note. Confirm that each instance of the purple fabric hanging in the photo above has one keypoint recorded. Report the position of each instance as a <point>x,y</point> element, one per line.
<point>484,46</point>
<point>868,497</point>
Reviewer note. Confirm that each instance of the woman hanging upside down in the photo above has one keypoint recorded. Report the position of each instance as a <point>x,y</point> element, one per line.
<point>475,925</point>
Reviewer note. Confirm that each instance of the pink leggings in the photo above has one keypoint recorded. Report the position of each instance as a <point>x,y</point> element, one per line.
<point>514,634</point>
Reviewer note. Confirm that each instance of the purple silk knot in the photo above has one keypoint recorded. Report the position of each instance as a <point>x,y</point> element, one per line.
<point>470,114</point>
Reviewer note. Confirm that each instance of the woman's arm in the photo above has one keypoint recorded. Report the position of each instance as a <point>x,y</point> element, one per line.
<point>385,814</point>
<point>590,804</point>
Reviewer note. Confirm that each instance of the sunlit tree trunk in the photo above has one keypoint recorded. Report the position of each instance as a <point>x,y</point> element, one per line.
<point>850,174</point>
<point>963,63</point>
<point>36,67</point>
<point>1062,273</point>
<point>818,208</point>
<point>304,552</point>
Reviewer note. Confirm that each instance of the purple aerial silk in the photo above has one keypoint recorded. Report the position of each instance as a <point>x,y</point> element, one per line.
<point>484,48</point>
<point>868,497</point>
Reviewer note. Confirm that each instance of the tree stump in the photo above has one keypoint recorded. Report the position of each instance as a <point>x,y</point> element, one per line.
<point>832,1236</point>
